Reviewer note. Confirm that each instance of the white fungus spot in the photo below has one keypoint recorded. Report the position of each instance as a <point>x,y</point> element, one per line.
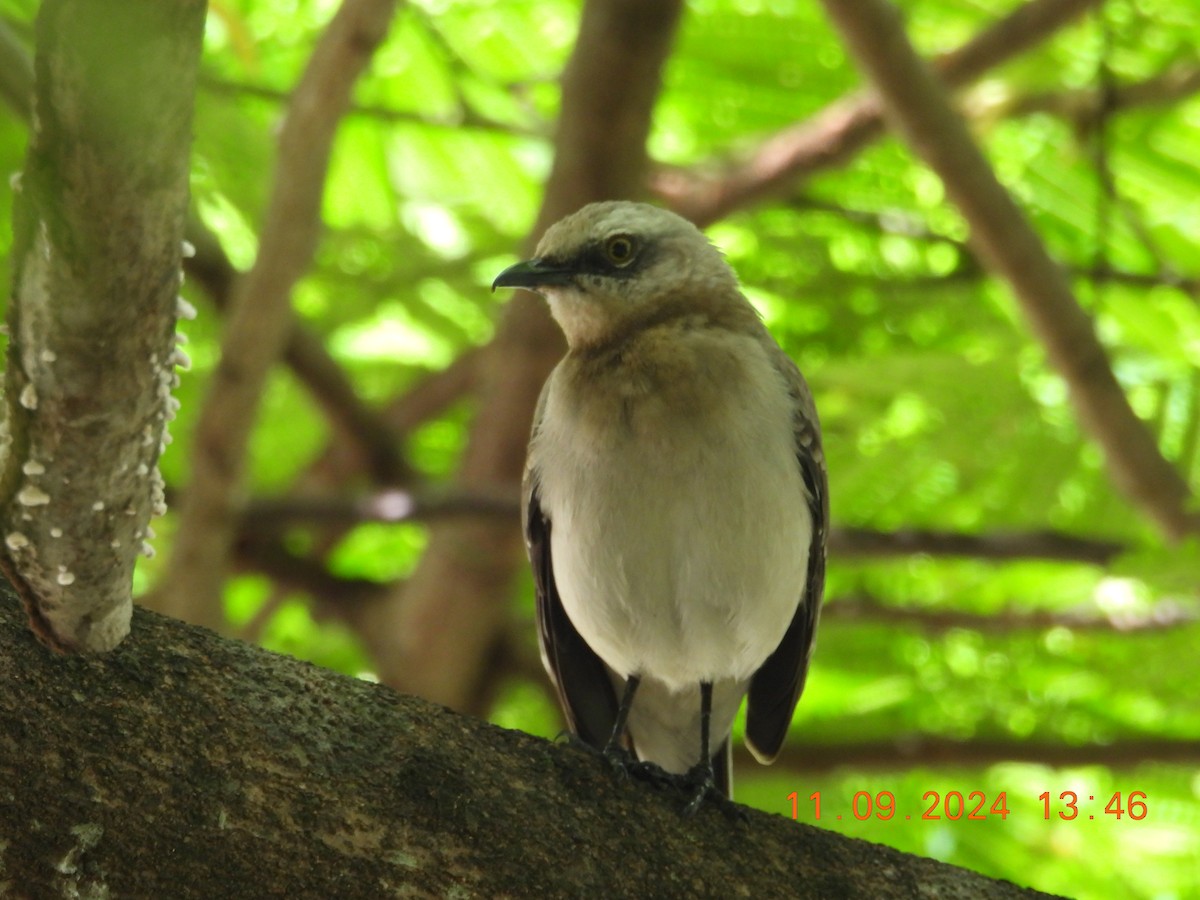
<point>150,533</point>
<point>143,469</point>
<point>158,498</point>
<point>31,495</point>
<point>115,544</point>
<point>55,532</point>
<point>33,467</point>
<point>14,181</point>
<point>181,359</point>
<point>49,356</point>
<point>65,578</point>
<point>147,550</point>
<point>180,338</point>
<point>15,541</point>
<point>98,506</point>
<point>183,309</point>
<point>28,397</point>
<point>187,249</point>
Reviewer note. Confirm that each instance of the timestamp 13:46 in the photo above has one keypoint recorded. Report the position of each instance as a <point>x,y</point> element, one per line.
<point>977,806</point>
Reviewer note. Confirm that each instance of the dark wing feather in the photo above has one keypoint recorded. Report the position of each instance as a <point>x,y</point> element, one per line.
<point>585,691</point>
<point>776,686</point>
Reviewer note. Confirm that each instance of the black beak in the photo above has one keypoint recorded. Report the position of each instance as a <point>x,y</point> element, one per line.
<point>532,274</point>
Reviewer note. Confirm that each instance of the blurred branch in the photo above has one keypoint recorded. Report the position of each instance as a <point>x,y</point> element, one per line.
<point>394,506</point>
<point>1082,107</point>
<point>465,119</point>
<point>842,129</point>
<point>373,443</point>
<point>260,317</point>
<point>1048,545</point>
<point>1008,244</point>
<point>434,394</point>
<point>302,573</point>
<point>905,224</point>
<point>926,751</point>
<point>863,608</point>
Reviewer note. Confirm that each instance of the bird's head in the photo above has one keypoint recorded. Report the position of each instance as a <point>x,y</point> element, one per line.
<point>613,267</point>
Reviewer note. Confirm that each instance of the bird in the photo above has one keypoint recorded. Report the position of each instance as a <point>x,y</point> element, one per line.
<point>675,500</point>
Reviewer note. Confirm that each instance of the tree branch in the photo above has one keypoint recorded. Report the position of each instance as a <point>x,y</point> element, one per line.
<point>370,441</point>
<point>465,119</point>
<point>214,769</point>
<point>869,609</point>
<point>999,545</point>
<point>1083,106</point>
<point>260,318</point>
<point>390,506</point>
<point>1009,246</point>
<point>98,226</point>
<point>842,129</point>
<point>422,505</point>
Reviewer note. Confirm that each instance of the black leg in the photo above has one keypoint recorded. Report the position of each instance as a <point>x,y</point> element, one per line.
<point>702,772</point>
<point>614,747</point>
<point>705,721</point>
<point>702,775</point>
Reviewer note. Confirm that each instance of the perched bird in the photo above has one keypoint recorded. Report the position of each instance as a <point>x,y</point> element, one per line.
<point>675,498</point>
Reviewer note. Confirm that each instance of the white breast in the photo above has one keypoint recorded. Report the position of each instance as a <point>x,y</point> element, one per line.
<point>679,524</point>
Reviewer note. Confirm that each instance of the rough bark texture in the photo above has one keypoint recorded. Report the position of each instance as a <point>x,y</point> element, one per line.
<point>435,638</point>
<point>97,244</point>
<point>186,765</point>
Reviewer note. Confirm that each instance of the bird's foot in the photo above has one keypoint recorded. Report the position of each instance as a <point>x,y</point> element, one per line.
<point>628,766</point>
<point>620,760</point>
<point>653,774</point>
<point>701,782</point>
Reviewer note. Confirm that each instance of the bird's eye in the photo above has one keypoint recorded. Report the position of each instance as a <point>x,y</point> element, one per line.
<point>620,249</point>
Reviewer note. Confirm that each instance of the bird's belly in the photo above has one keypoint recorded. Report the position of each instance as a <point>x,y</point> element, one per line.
<point>683,563</point>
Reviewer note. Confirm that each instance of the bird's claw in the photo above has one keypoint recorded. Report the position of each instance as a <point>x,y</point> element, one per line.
<point>703,785</point>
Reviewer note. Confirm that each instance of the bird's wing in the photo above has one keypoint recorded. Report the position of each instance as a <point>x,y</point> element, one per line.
<point>775,687</point>
<point>585,691</point>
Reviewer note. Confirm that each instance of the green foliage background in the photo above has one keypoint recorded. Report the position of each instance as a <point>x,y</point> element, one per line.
<point>938,408</point>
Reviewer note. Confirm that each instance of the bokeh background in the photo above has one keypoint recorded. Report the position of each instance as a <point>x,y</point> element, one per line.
<point>999,618</point>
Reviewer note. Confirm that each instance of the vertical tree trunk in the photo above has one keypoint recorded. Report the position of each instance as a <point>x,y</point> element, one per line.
<point>99,222</point>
